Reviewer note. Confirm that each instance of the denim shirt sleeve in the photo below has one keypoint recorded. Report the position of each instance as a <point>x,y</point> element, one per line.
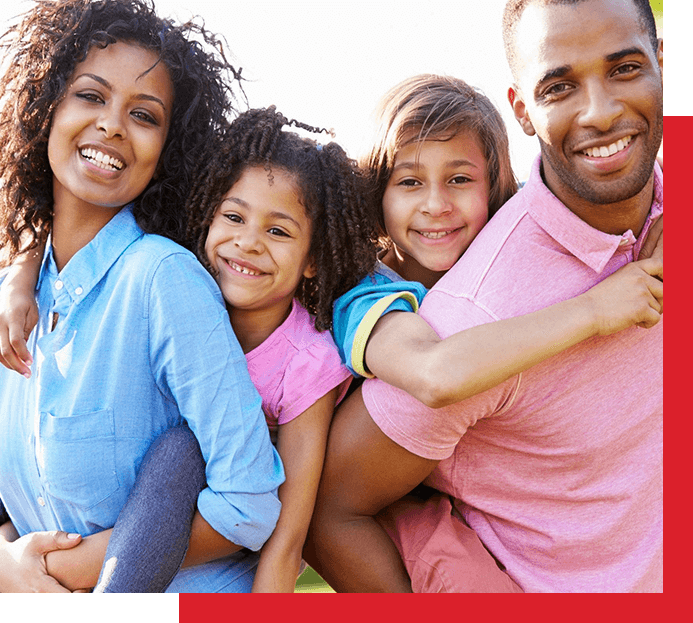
<point>198,363</point>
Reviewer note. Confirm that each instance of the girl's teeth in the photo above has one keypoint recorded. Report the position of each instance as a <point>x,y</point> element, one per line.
<point>101,160</point>
<point>435,234</point>
<point>609,150</point>
<point>242,269</point>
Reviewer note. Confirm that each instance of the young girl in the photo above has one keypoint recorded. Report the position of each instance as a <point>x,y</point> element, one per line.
<point>280,221</point>
<point>106,109</point>
<point>440,167</point>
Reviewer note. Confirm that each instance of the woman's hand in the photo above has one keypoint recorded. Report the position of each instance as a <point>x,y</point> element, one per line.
<point>23,564</point>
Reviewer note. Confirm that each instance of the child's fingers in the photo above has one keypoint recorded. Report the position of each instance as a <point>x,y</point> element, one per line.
<point>9,356</point>
<point>654,240</point>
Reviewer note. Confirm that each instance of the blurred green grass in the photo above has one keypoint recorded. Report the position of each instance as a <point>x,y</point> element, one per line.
<point>310,582</point>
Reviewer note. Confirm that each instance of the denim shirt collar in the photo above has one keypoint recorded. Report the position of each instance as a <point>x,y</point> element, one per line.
<point>88,266</point>
<point>591,246</point>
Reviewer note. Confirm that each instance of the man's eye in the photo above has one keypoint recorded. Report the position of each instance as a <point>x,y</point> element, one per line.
<point>557,89</point>
<point>626,69</point>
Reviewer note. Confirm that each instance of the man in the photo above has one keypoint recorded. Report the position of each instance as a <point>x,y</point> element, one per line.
<point>558,470</point>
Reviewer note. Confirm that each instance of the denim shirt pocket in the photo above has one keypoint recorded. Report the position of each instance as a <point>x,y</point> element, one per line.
<point>77,457</point>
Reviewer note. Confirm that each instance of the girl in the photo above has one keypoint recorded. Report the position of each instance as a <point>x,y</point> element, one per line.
<point>280,221</point>
<point>440,167</point>
<point>106,108</point>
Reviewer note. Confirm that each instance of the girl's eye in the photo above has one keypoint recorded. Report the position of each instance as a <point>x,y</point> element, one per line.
<point>275,231</point>
<point>234,218</point>
<point>408,182</point>
<point>460,179</point>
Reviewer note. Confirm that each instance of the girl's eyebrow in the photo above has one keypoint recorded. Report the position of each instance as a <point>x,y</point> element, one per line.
<point>409,164</point>
<point>109,86</point>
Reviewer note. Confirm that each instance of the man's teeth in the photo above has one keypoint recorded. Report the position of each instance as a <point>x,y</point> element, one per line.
<point>436,234</point>
<point>101,160</point>
<point>242,269</point>
<point>609,150</point>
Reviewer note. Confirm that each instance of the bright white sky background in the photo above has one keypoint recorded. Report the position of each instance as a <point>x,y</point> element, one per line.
<point>328,62</point>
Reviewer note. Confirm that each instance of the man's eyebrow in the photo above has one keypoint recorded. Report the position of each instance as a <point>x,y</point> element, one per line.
<point>615,56</point>
<point>552,74</point>
<point>109,86</point>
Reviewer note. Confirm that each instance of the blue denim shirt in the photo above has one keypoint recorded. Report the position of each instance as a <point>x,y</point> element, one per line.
<point>142,342</point>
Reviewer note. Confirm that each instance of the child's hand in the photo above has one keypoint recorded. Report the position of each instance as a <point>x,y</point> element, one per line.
<point>654,243</point>
<point>18,316</point>
<point>633,295</point>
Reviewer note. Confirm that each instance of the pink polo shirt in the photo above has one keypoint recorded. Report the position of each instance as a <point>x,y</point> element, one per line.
<point>559,469</point>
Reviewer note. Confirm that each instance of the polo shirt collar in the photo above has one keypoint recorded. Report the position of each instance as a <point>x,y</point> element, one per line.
<point>591,246</point>
<point>88,266</point>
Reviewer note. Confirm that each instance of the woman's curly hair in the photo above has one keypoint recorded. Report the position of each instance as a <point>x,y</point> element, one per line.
<point>330,187</point>
<point>40,55</point>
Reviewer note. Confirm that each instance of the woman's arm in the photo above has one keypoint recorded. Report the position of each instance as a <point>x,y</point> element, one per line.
<point>18,311</point>
<point>23,560</point>
<point>301,444</point>
<point>79,568</point>
<point>364,472</point>
<point>404,351</point>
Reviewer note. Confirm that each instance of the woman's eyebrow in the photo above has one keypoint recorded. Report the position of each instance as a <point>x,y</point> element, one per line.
<point>109,86</point>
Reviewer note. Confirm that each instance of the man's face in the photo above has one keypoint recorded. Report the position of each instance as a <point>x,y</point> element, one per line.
<point>589,85</point>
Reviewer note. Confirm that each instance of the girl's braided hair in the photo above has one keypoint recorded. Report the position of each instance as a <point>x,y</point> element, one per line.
<point>330,187</point>
<point>40,55</point>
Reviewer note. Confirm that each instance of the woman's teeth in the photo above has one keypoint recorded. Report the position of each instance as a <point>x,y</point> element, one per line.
<point>242,269</point>
<point>609,150</point>
<point>101,160</point>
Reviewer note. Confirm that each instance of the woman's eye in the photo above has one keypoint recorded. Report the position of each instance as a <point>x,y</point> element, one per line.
<point>144,116</point>
<point>89,97</point>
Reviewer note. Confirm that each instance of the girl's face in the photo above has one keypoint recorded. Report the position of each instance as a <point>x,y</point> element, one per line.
<point>435,203</point>
<point>259,242</point>
<point>108,132</point>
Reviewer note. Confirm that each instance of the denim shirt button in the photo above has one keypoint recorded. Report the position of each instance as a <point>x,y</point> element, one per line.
<point>78,290</point>
<point>58,285</point>
<point>41,501</point>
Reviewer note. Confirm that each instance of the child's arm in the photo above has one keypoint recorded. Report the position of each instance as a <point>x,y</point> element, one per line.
<point>79,568</point>
<point>405,352</point>
<point>18,311</point>
<point>301,444</point>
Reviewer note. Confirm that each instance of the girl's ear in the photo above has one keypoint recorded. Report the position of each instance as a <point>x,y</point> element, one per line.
<point>310,270</point>
<point>520,111</point>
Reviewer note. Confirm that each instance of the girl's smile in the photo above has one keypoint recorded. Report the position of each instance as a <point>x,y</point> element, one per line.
<point>108,131</point>
<point>258,242</point>
<point>435,203</point>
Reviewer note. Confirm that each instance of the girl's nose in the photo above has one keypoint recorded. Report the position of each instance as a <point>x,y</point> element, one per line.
<point>248,241</point>
<point>437,202</point>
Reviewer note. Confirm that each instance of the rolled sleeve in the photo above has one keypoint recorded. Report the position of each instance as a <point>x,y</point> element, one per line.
<point>356,313</point>
<point>197,359</point>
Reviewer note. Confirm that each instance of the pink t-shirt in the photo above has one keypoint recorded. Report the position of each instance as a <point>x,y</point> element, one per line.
<point>295,367</point>
<point>559,469</point>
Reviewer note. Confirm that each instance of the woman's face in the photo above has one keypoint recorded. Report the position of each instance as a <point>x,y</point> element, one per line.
<point>108,132</point>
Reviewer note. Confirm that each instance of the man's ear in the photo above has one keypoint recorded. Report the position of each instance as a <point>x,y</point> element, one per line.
<point>660,55</point>
<point>520,111</point>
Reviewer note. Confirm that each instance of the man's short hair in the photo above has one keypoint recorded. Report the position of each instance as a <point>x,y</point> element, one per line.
<point>514,9</point>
